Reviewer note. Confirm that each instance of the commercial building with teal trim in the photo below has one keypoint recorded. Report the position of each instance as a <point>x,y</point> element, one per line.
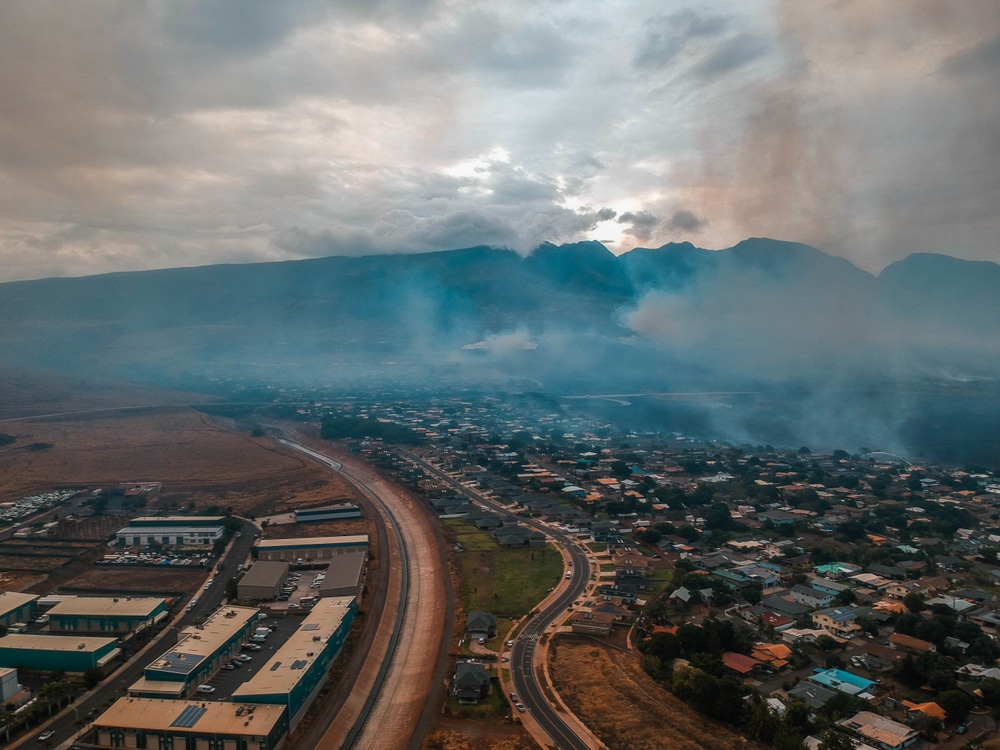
<point>328,513</point>
<point>200,652</point>
<point>53,653</point>
<point>157,724</point>
<point>105,614</point>
<point>169,531</point>
<point>310,550</point>
<point>294,675</point>
<point>16,607</point>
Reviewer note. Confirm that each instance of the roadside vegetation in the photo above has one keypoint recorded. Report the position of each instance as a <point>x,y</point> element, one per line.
<point>506,582</point>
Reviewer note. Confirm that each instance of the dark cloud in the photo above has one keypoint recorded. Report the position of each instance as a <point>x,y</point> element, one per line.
<point>981,58</point>
<point>606,214</point>
<point>666,36</point>
<point>686,221</point>
<point>640,224</point>
<point>730,55</point>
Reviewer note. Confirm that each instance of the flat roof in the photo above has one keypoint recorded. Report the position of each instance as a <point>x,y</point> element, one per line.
<point>11,600</point>
<point>264,573</point>
<point>73,643</point>
<point>196,520</point>
<point>189,717</point>
<point>197,643</point>
<point>142,685</point>
<point>295,657</point>
<point>104,606</point>
<point>345,570</point>
<point>314,541</point>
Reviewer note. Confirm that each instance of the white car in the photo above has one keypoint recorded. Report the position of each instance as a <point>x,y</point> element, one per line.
<point>46,736</point>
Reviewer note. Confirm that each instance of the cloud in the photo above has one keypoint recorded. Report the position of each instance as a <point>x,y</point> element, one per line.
<point>139,135</point>
<point>639,224</point>
<point>666,36</point>
<point>686,221</point>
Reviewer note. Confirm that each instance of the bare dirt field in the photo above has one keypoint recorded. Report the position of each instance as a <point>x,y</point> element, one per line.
<point>456,734</point>
<point>200,462</point>
<point>624,707</point>
<point>128,579</point>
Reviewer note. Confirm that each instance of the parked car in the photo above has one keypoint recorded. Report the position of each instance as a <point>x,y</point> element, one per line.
<point>520,707</point>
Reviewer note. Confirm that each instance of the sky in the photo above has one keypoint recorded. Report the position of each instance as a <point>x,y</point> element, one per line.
<point>148,134</point>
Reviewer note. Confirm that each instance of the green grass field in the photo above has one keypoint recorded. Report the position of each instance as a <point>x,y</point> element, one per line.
<point>506,582</point>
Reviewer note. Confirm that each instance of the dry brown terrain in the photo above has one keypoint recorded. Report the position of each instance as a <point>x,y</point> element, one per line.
<point>624,707</point>
<point>200,463</point>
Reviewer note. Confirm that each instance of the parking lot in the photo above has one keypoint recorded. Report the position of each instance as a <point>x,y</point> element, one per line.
<point>226,681</point>
<point>306,584</point>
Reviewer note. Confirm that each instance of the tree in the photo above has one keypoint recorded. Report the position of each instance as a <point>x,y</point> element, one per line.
<point>956,704</point>
<point>752,594</point>
<point>913,602</point>
<point>834,739</point>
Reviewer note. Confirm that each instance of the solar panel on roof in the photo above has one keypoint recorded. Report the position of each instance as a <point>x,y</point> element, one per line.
<point>311,626</point>
<point>299,663</point>
<point>189,717</point>
<point>275,665</point>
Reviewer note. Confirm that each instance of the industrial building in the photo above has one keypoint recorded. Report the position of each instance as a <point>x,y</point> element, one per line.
<point>105,614</point>
<point>170,531</point>
<point>16,607</point>
<point>345,576</point>
<point>298,668</point>
<point>200,652</point>
<point>263,581</point>
<point>328,513</point>
<point>310,550</point>
<point>53,653</point>
<point>188,725</point>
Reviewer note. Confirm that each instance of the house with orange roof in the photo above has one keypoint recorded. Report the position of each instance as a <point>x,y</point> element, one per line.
<point>930,708</point>
<point>773,654</point>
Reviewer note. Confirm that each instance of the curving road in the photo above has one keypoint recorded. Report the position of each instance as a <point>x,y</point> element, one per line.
<point>389,707</point>
<point>523,668</point>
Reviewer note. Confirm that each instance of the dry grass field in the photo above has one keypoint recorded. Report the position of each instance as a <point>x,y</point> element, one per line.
<point>200,462</point>
<point>625,708</point>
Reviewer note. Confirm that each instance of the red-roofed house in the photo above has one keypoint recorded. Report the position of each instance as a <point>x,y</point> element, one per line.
<point>742,665</point>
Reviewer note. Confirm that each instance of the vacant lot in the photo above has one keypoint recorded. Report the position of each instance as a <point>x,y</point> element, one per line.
<point>200,463</point>
<point>506,582</point>
<point>624,707</point>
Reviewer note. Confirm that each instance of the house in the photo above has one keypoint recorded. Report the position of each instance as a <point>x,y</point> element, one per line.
<point>810,597</point>
<point>471,682</point>
<point>931,709</point>
<point>778,622</point>
<point>775,655</point>
<point>909,643</point>
<point>480,624</point>
<point>813,695</point>
<point>845,682</point>
<point>592,623</point>
<point>880,731</point>
<point>739,663</point>
<point>879,657</point>
<point>839,621</point>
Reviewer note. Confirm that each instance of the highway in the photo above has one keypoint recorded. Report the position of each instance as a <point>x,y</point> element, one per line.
<point>524,671</point>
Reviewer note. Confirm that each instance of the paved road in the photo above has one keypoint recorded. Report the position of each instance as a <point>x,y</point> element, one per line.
<point>402,699</point>
<point>115,685</point>
<point>524,670</point>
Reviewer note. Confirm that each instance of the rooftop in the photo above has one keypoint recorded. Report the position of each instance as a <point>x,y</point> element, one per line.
<point>98,606</point>
<point>174,716</point>
<point>71,643</point>
<point>314,541</point>
<point>195,644</point>
<point>11,600</point>
<point>284,670</point>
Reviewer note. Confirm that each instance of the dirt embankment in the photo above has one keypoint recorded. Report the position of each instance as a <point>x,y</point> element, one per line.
<point>624,707</point>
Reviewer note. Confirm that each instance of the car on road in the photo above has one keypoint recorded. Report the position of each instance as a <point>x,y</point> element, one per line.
<point>46,736</point>
<point>510,644</point>
<point>520,707</point>
<point>513,697</point>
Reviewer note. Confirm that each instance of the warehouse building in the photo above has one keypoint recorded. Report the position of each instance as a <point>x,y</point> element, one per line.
<point>263,581</point>
<point>310,550</point>
<point>186,725</point>
<point>16,607</point>
<point>295,673</point>
<point>345,577</point>
<point>200,652</point>
<point>52,653</point>
<point>170,531</point>
<point>328,513</point>
<point>105,614</point>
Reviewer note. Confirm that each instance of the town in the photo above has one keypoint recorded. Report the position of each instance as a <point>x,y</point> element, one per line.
<point>799,597</point>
